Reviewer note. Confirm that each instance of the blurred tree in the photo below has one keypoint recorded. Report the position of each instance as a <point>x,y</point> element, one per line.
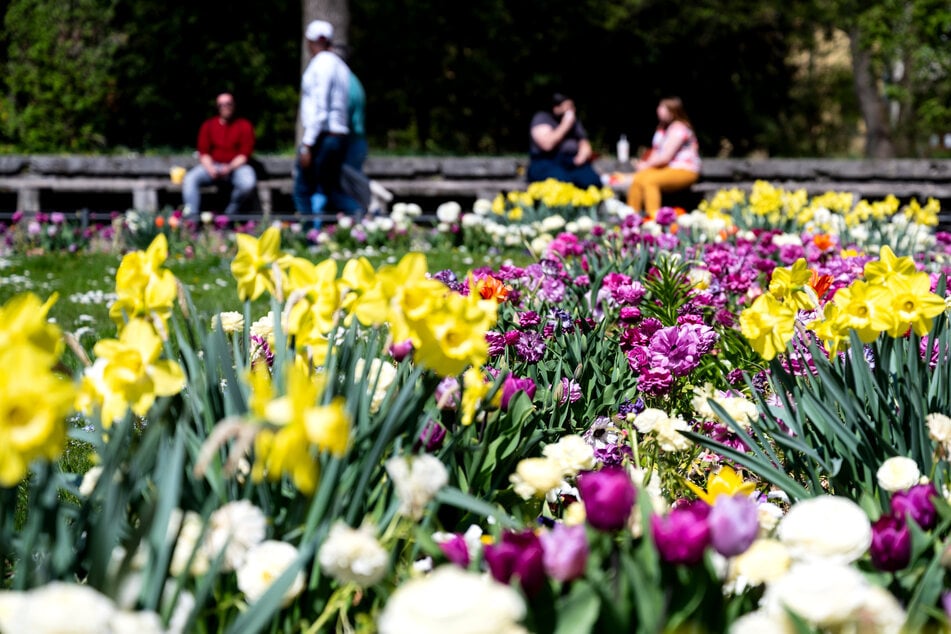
<point>58,74</point>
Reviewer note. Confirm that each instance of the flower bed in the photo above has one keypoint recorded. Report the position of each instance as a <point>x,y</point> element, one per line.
<point>733,418</point>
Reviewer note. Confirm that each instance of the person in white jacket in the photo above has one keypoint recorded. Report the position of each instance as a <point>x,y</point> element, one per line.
<point>325,88</point>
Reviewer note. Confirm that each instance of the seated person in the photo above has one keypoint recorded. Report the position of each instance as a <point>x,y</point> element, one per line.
<point>225,143</point>
<point>672,163</point>
<point>559,146</point>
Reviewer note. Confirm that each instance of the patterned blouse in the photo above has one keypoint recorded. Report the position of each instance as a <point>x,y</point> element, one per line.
<point>687,156</point>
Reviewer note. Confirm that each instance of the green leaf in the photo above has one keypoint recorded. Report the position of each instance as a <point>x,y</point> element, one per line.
<point>578,611</point>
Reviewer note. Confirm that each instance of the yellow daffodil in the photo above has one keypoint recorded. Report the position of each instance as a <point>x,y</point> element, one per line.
<point>34,403</point>
<point>791,286</point>
<point>451,336</point>
<point>297,428</point>
<point>768,325</point>
<point>905,300</point>
<point>832,329</point>
<point>143,287</point>
<point>726,482</point>
<point>23,320</point>
<point>856,310</point>
<point>878,271</point>
<point>474,390</point>
<point>253,266</point>
<point>313,302</point>
<point>129,374</point>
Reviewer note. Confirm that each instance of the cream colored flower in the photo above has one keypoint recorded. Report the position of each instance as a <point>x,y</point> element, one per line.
<point>448,212</point>
<point>761,622</point>
<point>649,419</point>
<point>353,555</point>
<point>264,327</point>
<point>417,480</point>
<point>90,480</point>
<point>824,593</point>
<point>668,434</point>
<point>128,622</point>
<point>451,599</point>
<point>234,528</point>
<point>552,223</point>
<point>188,542</point>
<point>763,562</point>
<point>880,613</point>
<point>574,514</point>
<point>263,565</point>
<point>231,322</point>
<point>534,477</point>
<point>380,376</point>
<point>939,427</point>
<point>55,608</point>
<point>572,455</point>
<point>898,474</point>
<point>826,527</point>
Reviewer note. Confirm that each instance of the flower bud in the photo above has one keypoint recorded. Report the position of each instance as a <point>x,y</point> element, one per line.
<point>891,543</point>
<point>734,524</point>
<point>916,502</point>
<point>683,535</point>
<point>608,497</point>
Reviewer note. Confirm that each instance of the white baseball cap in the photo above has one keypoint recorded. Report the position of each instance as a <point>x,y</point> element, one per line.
<point>319,29</point>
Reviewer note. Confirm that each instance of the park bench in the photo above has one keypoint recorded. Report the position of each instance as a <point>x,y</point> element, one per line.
<point>98,183</point>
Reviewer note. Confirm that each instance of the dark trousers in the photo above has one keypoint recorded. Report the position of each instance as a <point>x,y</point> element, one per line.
<point>322,176</point>
<point>562,168</point>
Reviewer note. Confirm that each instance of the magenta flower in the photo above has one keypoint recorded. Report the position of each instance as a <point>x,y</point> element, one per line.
<point>683,535</point>
<point>608,497</point>
<point>432,436</point>
<point>734,524</point>
<point>891,543</point>
<point>456,550</point>
<point>512,385</point>
<point>570,391</point>
<point>401,350</point>
<point>566,552</point>
<point>917,503</point>
<point>530,347</point>
<point>518,554</point>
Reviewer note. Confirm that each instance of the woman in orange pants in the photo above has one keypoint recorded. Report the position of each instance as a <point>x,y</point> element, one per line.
<point>672,163</point>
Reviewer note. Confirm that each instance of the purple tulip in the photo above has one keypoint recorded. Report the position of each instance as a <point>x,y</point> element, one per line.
<point>517,555</point>
<point>608,497</point>
<point>734,524</point>
<point>683,535</point>
<point>946,603</point>
<point>432,436</point>
<point>401,350</point>
<point>916,502</point>
<point>891,543</point>
<point>566,552</point>
<point>512,386</point>
<point>456,550</point>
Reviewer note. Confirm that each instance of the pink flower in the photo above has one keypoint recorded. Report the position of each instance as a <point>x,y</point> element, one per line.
<point>608,497</point>
<point>566,552</point>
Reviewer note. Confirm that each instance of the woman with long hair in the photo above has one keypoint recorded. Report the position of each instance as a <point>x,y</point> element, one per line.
<point>672,163</point>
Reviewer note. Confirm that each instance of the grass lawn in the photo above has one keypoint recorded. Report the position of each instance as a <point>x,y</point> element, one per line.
<point>85,283</point>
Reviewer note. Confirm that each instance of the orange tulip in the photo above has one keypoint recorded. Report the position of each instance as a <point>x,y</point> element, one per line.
<point>823,241</point>
<point>490,287</point>
<point>160,221</point>
<point>820,283</point>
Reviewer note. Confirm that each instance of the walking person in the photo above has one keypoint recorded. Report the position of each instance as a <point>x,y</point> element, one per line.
<point>325,88</point>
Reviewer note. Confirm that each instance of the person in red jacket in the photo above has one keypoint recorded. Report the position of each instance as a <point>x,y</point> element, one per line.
<point>225,143</point>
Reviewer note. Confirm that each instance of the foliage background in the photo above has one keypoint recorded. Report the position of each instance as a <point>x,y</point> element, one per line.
<point>140,75</point>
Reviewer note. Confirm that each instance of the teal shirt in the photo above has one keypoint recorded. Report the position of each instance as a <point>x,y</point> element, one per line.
<point>357,106</point>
